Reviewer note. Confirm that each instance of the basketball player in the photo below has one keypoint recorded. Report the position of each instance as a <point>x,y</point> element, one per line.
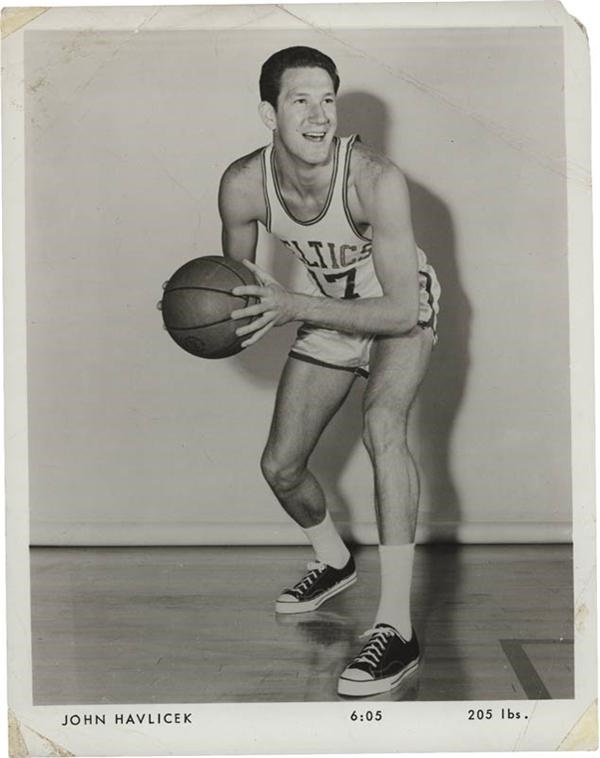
<point>369,308</point>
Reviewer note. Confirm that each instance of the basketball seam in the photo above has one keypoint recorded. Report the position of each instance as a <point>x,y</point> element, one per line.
<point>246,299</point>
<point>196,287</point>
<point>232,270</point>
<point>200,326</point>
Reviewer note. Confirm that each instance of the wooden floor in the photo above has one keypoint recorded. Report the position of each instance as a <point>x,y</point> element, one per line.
<point>197,624</point>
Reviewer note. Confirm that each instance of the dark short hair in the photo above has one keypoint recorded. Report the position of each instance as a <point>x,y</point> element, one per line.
<point>292,57</point>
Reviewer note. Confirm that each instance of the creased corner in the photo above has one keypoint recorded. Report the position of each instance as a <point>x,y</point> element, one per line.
<point>51,748</point>
<point>584,735</point>
<point>582,26</point>
<point>17,748</point>
<point>14,19</point>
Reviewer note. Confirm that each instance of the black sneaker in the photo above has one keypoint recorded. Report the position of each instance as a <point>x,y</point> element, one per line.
<point>383,663</point>
<point>318,585</point>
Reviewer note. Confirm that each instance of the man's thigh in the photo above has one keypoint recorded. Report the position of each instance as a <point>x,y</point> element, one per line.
<point>397,368</point>
<point>308,396</point>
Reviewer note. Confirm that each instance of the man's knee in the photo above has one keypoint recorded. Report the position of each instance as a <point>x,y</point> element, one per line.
<point>282,475</point>
<point>383,429</point>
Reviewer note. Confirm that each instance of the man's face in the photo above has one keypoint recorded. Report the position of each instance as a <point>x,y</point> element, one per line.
<point>306,117</point>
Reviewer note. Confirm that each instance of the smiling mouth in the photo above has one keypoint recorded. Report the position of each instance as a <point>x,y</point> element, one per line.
<point>314,136</point>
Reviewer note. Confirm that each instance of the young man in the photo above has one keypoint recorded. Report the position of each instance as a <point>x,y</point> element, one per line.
<point>369,308</point>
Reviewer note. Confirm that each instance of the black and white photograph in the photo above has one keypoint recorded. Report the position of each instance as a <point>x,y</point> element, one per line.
<point>298,379</point>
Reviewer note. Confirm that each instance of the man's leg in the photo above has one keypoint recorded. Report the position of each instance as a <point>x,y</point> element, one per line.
<point>398,365</point>
<point>307,398</point>
<point>398,368</point>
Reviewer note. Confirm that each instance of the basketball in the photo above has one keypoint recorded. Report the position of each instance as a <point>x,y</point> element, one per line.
<point>197,304</point>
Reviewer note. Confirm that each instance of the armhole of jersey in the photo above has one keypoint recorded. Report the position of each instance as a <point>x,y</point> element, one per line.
<point>263,164</point>
<point>346,176</point>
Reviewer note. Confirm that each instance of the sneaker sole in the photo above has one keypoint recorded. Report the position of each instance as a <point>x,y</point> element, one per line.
<point>312,605</point>
<point>353,688</point>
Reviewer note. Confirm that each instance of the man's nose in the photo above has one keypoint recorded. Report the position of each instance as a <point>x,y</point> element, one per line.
<point>317,114</point>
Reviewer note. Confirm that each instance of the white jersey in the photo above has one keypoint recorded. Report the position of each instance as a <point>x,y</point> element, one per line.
<point>337,256</point>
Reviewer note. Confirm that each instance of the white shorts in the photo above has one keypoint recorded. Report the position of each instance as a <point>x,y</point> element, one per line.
<point>350,352</point>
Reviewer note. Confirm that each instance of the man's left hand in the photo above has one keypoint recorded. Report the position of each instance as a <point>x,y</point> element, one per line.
<point>276,306</point>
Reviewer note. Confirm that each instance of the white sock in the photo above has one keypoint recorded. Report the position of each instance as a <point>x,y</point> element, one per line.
<point>327,543</point>
<point>396,576</point>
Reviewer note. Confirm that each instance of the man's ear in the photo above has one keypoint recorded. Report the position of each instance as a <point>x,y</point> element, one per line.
<point>267,114</point>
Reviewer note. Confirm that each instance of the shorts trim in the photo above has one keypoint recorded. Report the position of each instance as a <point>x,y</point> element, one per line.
<point>431,322</point>
<point>358,370</point>
<point>325,364</point>
<point>434,333</point>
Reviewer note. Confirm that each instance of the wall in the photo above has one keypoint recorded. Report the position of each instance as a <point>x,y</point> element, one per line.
<point>132,441</point>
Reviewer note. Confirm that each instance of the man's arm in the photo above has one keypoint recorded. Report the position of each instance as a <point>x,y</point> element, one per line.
<point>383,196</point>
<point>239,209</point>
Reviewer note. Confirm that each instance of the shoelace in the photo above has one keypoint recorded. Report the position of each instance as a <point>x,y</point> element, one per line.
<point>374,649</point>
<point>315,570</point>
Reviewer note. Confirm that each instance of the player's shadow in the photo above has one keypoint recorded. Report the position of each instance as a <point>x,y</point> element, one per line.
<point>441,393</point>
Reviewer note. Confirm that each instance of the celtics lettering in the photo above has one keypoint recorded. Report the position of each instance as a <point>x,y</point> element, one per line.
<point>315,254</point>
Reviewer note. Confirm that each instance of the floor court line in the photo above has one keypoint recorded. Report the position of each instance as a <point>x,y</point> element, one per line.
<point>530,680</point>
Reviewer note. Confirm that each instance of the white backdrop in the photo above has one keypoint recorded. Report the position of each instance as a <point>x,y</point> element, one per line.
<point>132,441</point>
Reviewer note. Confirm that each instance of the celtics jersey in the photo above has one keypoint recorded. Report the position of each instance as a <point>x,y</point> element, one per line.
<point>338,258</point>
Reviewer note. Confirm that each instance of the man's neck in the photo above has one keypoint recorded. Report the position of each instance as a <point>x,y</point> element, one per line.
<point>304,178</point>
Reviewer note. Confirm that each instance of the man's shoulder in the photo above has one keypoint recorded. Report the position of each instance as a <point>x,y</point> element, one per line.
<point>240,190</point>
<point>369,165</point>
<point>244,172</point>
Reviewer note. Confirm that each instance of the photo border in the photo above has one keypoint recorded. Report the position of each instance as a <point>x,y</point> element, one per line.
<point>248,728</point>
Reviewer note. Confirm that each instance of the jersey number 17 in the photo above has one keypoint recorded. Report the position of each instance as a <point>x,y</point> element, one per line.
<point>349,276</point>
